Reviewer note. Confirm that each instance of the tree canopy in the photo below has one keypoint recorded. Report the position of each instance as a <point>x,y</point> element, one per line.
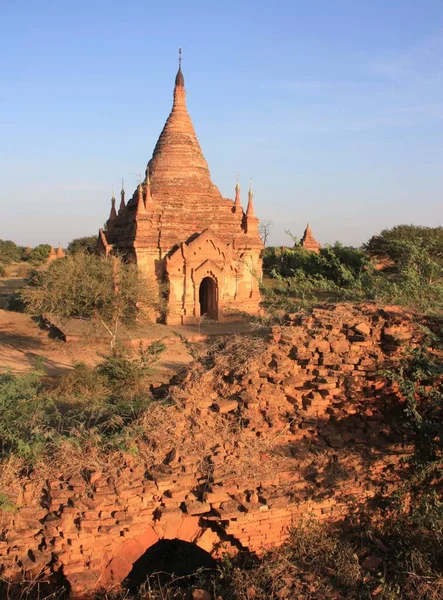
<point>393,243</point>
<point>9,252</point>
<point>83,244</point>
<point>104,290</point>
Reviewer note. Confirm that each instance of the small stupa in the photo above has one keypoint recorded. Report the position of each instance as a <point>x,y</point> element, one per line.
<point>308,241</point>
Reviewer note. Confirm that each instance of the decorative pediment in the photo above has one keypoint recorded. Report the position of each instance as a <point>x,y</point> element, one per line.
<point>209,265</point>
<point>207,245</point>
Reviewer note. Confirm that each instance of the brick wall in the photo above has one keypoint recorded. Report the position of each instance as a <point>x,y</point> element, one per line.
<point>273,431</point>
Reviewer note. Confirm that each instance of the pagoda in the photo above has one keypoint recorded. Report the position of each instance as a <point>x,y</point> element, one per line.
<point>181,232</point>
<point>308,241</point>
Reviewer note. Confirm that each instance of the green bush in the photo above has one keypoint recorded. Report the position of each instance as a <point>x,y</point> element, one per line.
<point>108,292</point>
<point>27,415</point>
<point>40,254</point>
<point>84,244</point>
<point>95,404</point>
<point>337,273</point>
<point>9,252</point>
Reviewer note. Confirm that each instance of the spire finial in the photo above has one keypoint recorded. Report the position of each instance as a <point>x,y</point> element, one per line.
<point>237,203</point>
<point>179,79</point>
<point>122,198</point>
<point>113,213</point>
<point>250,208</point>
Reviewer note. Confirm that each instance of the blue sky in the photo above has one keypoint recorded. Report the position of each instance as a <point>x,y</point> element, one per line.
<point>334,108</point>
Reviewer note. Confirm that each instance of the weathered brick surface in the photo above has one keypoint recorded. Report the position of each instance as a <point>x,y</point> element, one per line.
<point>307,438</point>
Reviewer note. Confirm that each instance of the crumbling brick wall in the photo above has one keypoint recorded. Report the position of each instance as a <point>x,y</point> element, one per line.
<point>262,433</point>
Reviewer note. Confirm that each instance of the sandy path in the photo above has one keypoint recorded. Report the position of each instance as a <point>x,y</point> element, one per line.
<point>22,342</point>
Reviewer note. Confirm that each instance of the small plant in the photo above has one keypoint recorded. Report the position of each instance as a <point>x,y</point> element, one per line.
<point>6,505</point>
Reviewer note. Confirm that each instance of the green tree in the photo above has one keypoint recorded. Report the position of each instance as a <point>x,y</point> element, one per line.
<point>103,290</point>
<point>393,244</point>
<point>40,254</point>
<point>9,252</point>
<point>86,244</point>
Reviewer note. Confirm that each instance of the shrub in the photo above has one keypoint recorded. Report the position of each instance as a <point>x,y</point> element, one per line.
<point>9,252</point>
<point>94,404</point>
<point>86,244</point>
<point>26,415</point>
<point>104,290</point>
<point>40,254</point>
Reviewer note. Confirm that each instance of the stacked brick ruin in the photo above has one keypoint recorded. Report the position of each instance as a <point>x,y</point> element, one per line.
<point>261,434</point>
<point>179,229</point>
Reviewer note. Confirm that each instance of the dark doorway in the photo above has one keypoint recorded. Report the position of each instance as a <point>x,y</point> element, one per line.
<point>167,558</point>
<point>208,297</point>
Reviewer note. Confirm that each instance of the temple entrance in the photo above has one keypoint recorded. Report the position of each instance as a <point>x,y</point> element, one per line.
<point>208,297</point>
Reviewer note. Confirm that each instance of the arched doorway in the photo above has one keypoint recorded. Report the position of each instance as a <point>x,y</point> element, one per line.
<point>168,559</point>
<point>208,298</point>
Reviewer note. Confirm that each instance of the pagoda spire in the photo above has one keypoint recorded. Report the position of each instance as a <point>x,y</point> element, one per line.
<point>237,203</point>
<point>52,254</point>
<point>122,198</point>
<point>60,253</point>
<point>113,213</point>
<point>141,209</point>
<point>179,79</point>
<point>250,221</point>
<point>250,209</point>
<point>179,89</point>
<point>177,160</point>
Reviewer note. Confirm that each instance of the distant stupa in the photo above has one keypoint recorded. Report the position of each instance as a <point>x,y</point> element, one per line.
<point>308,241</point>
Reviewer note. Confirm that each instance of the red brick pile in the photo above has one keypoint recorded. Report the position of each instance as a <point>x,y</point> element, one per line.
<point>263,433</point>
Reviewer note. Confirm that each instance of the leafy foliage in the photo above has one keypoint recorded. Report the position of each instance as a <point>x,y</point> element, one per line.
<point>338,264</point>
<point>40,254</point>
<point>25,415</point>
<point>84,244</point>
<point>414,279</point>
<point>103,289</point>
<point>392,243</point>
<point>9,252</point>
<point>96,404</point>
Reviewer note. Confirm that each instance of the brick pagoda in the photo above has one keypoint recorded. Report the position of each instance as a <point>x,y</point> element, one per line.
<point>308,241</point>
<point>179,229</point>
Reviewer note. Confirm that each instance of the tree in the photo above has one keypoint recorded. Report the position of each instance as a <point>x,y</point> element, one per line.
<point>103,290</point>
<point>294,238</point>
<point>87,244</point>
<point>9,252</point>
<point>40,254</point>
<point>391,243</point>
<point>264,231</point>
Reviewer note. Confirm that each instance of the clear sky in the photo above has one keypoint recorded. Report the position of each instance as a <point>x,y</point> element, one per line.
<point>334,108</point>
